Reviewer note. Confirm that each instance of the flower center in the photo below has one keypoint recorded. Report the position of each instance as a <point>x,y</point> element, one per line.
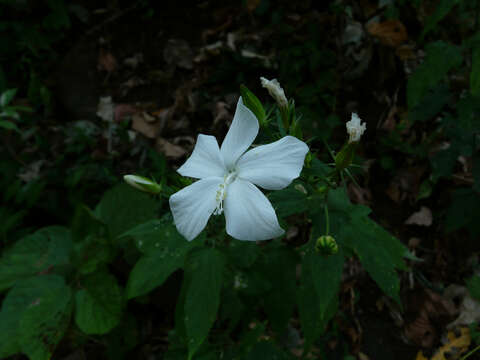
<point>222,191</point>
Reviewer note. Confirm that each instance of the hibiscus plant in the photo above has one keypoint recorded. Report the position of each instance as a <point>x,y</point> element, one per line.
<point>249,240</point>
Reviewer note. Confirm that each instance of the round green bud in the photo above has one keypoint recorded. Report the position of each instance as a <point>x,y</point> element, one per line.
<point>326,245</point>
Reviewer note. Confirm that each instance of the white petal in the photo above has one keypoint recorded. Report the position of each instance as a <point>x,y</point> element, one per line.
<point>275,165</point>
<point>240,136</point>
<point>205,160</point>
<point>192,206</point>
<point>249,214</point>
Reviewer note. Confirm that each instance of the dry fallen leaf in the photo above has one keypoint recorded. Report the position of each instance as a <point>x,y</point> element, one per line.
<point>454,345</point>
<point>106,61</point>
<point>391,32</point>
<point>178,52</point>
<point>168,149</point>
<point>423,217</point>
<point>141,122</point>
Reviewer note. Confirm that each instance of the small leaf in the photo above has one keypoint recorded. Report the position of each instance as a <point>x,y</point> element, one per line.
<point>204,268</point>
<point>98,304</point>
<point>253,103</point>
<point>9,125</point>
<point>7,96</point>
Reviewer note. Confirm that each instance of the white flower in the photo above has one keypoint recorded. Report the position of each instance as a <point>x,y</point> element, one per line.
<point>228,176</point>
<point>354,129</point>
<point>276,91</point>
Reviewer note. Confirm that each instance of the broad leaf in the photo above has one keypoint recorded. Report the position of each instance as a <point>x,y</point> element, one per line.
<point>46,250</point>
<point>34,317</point>
<point>204,270</point>
<point>279,265</point>
<point>441,58</point>
<point>123,207</point>
<point>442,8</point>
<point>98,304</point>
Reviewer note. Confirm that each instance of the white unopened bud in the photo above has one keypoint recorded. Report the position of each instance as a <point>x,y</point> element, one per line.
<point>142,183</point>
<point>355,129</point>
<point>276,91</point>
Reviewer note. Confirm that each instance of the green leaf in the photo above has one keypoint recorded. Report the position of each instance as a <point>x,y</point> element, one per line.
<point>441,58</point>
<point>475,74</point>
<point>7,96</point>
<point>91,253</point>
<point>266,350</point>
<point>473,285</point>
<point>431,104</point>
<point>313,318</point>
<point>463,211</point>
<point>379,252</point>
<point>243,253</point>
<point>123,207</point>
<point>253,103</point>
<point>204,268</point>
<point>279,264</point>
<point>289,201</point>
<point>442,9</point>
<point>98,304</point>
<point>326,272</point>
<point>46,250</point>
<point>9,125</point>
<point>165,250</point>
<point>34,317</point>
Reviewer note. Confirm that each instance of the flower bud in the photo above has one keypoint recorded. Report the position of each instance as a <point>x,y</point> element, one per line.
<point>326,245</point>
<point>276,91</point>
<point>355,129</point>
<point>143,183</point>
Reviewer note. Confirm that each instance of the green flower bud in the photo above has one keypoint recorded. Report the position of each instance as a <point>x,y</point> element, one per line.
<point>326,245</point>
<point>143,184</point>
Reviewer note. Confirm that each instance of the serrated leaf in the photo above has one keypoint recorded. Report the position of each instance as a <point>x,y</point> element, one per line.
<point>45,250</point>
<point>98,304</point>
<point>165,252</point>
<point>34,317</point>
<point>441,58</point>
<point>123,207</point>
<point>380,252</point>
<point>205,270</point>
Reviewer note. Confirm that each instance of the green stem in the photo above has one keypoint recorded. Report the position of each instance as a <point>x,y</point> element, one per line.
<point>470,353</point>
<point>327,219</point>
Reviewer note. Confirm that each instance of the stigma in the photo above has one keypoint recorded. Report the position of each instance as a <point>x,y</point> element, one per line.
<point>222,192</point>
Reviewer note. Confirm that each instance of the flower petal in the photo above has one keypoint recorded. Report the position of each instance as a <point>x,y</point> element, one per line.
<point>249,214</point>
<point>192,206</point>
<point>240,136</point>
<point>275,165</point>
<point>205,160</point>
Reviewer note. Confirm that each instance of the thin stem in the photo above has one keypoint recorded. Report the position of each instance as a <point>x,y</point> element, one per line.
<point>470,353</point>
<point>327,218</point>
